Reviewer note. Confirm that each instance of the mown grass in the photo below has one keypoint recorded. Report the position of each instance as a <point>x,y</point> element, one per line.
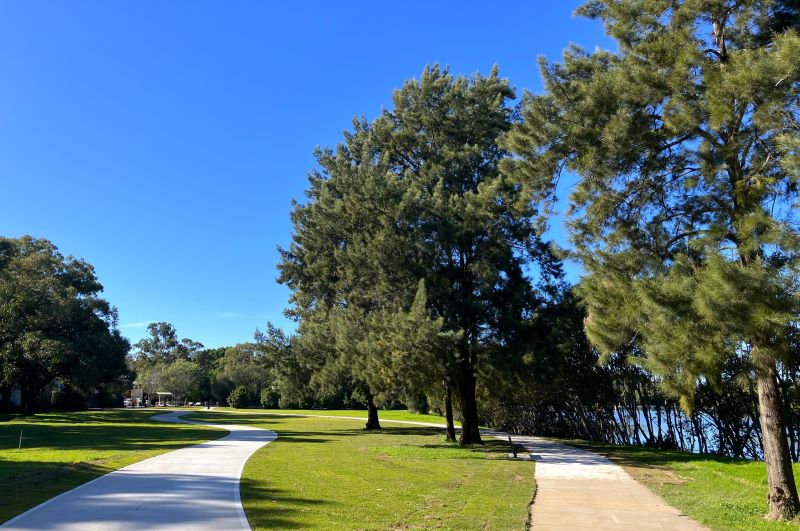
<point>332,474</point>
<point>388,415</point>
<point>721,493</point>
<point>63,450</point>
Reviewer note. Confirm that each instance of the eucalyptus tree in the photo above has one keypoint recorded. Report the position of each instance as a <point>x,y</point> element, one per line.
<point>245,365</point>
<point>182,378</point>
<point>163,346</point>
<point>53,322</point>
<point>159,350</point>
<point>684,146</point>
<point>417,194</point>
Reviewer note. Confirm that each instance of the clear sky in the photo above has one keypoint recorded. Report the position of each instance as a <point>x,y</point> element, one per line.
<point>163,142</point>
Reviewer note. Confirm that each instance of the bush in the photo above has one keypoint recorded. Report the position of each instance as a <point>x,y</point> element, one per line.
<point>239,398</point>
<point>269,398</point>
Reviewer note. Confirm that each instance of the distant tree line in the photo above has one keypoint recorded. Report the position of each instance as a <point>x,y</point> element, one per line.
<point>263,373</point>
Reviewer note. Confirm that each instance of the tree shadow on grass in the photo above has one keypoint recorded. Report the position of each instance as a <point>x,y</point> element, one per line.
<point>238,418</point>
<point>34,482</point>
<point>331,432</point>
<point>96,436</point>
<point>489,449</point>
<point>270,421</point>
<point>637,456</point>
<point>392,430</point>
<point>99,416</point>
<point>301,436</point>
<point>271,508</point>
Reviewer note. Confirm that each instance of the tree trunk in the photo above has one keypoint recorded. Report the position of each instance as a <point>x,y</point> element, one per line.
<point>27,399</point>
<point>679,422</point>
<point>782,495</point>
<point>5,400</point>
<point>785,383</point>
<point>470,432</point>
<point>448,413</point>
<point>372,414</point>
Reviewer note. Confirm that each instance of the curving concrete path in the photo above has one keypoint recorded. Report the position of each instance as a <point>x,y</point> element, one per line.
<point>193,488</point>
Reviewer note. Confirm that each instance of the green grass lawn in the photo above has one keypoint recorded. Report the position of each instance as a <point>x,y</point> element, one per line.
<point>718,492</point>
<point>388,415</point>
<point>62,450</point>
<point>332,474</point>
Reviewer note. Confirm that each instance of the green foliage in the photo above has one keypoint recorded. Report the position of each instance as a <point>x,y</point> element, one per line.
<point>683,212</point>
<point>163,346</point>
<point>182,378</point>
<point>415,195</point>
<point>557,388</point>
<point>243,366</point>
<point>387,415</point>
<point>239,398</point>
<point>162,363</point>
<point>268,398</point>
<point>289,374</point>
<point>207,360</point>
<point>53,323</point>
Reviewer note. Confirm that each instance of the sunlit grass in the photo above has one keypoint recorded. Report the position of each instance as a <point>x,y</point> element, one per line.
<point>332,474</point>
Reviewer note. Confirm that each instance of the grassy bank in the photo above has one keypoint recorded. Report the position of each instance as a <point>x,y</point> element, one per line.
<point>63,450</point>
<point>721,493</point>
<point>332,474</point>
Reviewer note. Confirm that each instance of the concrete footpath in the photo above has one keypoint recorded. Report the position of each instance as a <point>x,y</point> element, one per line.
<point>193,488</point>
<point>578,489</point>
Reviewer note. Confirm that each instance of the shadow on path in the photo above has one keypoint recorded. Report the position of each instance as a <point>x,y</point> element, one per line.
<point>192,488</point>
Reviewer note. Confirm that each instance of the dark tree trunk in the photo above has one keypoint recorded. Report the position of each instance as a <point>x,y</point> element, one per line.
<point>699,434</point>
<point>679,422</point>
<point>470,432</point>
<point>785,383</point>
<point>634,410</point>
<point>372,414</point>
<point>5,401</point>
<point>27,399</point>
<point>448,413</point>
<point>782,495</point>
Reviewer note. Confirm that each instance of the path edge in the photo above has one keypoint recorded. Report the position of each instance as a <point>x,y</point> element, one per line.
<point>237,494</point>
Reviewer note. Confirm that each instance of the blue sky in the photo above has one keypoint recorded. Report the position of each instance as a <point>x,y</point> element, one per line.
<point>163,142</point>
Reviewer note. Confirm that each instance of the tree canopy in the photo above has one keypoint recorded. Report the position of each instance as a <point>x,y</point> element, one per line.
<point>684,144</point>
<point>417,195</point>
<point>53,322</point>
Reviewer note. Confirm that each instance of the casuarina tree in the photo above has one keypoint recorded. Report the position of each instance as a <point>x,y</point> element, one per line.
<point>684,146</point>
<point>417,194</point>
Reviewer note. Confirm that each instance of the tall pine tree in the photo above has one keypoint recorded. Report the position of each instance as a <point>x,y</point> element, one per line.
<point>684,143</point>
<point>417,195</point>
